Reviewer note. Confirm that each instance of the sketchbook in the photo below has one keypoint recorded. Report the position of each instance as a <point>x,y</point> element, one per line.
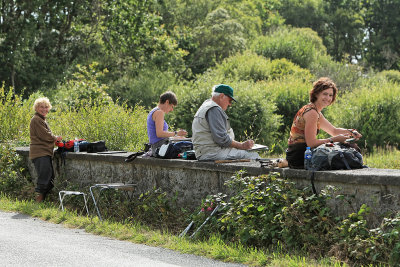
<point>258,147</point>
<point>178,139</point>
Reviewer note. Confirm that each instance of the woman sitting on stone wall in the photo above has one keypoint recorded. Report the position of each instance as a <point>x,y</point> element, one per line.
<point>157,127</point>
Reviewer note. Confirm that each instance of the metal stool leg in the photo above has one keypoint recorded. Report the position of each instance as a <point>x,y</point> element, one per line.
<point>62,195</point>
<point>84,198</point>
<point>61,199</point>
<point>94,201</point>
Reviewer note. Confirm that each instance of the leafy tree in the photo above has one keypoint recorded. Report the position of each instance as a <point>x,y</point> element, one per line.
<point>134,37</point>
<point>219,38</point>
<point>303,13</point>
<point>344,29</point>
<point>36,41</point>
<point>280,44</point>
<point>248,13</point>
<point>339,23</point>
<point>382,23</point>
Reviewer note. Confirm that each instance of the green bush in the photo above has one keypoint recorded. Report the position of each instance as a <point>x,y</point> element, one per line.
<point>362,245</point>
<point>267,210</point>
<point>252,116</point>
<point>251,67</point>
<point>391,75</point>
<point>289,95</point>
<point>15,115</point>
<point>373,109</point>
<point>12,178</point>
<point>346,76</point>
<point>121,127</point>
<point>143,88</point>
<point>85,84</point>
<point>301,46</point>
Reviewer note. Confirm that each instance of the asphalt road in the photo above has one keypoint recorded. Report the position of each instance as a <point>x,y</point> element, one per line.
<point>27,241</point>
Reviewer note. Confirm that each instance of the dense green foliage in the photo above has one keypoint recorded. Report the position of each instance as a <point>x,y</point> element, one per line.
<point>267,211</point>
<point>374,109</point>
<point>12,173</point>
<point>14,115</point>
<point>41,41</point>
<point>279,44</point>
<point>249,66</point>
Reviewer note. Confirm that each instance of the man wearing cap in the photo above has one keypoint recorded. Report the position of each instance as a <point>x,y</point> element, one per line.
<point>212,135</point>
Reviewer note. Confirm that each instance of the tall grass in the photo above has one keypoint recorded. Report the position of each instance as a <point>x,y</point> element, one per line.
<point>373,109</point>
<point>93,119</point>
<point>383,158</point>
<point>15,114</point>
<point>122,127</point>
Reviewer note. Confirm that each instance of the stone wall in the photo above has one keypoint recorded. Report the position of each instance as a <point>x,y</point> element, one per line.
<point>194,180</point>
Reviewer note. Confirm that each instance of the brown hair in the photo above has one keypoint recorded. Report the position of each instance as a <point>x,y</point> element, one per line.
<point>321,85</point>
<point>170,96</point>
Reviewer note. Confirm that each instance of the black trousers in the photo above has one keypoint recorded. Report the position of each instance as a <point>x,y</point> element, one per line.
<point>44,170</point>
<point>295,155</point>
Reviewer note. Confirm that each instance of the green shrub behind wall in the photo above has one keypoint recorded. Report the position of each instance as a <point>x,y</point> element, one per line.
<point>15,115</point>
<point>121,127</point>
<point>252,67</point>
<point>373,109</point>
<point>301,46</point>
<point>289,95</point>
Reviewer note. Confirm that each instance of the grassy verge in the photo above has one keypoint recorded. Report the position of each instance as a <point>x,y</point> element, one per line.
<point>380,158</point>
<point>213,248</point>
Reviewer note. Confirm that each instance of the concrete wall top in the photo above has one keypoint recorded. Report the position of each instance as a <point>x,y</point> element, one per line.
<point>367,176</point>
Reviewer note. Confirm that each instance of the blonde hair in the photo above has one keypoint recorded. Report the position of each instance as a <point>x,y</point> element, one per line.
<point>40,101</point>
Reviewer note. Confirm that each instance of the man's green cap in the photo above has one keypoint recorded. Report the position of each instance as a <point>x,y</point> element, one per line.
<point>225,89</point>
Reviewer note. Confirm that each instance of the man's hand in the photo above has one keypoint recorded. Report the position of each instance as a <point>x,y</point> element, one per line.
<point>247,144</point>
<point>244,146</point>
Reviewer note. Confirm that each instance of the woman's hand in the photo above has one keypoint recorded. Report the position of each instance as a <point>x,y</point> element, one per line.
<point>181,132</point>
<point>356,134</point>
<point>341,138</point>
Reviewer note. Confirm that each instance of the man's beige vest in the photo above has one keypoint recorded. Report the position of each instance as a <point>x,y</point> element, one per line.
<point>201,135</point>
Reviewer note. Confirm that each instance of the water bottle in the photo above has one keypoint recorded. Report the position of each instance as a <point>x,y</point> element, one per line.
<point>307,158</point>
<point>76,146</point>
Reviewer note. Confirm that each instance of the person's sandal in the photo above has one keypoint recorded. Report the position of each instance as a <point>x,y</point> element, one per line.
<point>282,163</point>
<point>39,197</point>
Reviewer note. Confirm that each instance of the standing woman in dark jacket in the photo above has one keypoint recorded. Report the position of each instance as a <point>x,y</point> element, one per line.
<point>42,147</point>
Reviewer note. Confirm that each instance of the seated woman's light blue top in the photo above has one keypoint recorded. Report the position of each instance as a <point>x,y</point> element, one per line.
<point>151,127</point>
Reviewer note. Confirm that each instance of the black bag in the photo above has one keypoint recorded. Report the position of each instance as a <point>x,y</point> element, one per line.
<point>335,157</point>
<point>172,150</point>
<point>95,147</point>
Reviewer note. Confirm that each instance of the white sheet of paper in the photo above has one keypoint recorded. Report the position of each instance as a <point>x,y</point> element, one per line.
<point>179,138</point>
<point>258,147</point>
